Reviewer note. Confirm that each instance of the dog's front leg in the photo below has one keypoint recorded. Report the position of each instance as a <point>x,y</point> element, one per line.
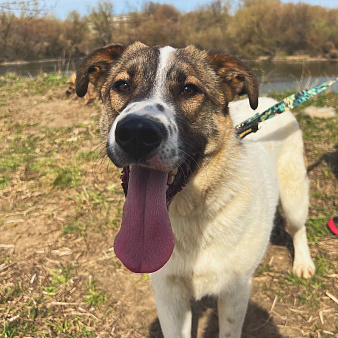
<point>173,308</point>
<point>232,308</point>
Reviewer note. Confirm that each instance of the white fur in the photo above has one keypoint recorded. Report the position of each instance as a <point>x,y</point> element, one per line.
<point>162,69</point>
<point>221,237</point>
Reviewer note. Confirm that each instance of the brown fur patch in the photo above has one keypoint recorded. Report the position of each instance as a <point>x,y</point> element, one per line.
<point>237,76</point>
<point>95,67</point>
<point>92,94</point>
<point>230,320</point>
<point>138,66</point>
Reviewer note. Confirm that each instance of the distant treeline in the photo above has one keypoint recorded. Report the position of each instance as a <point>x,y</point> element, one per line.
<point>254,28</point>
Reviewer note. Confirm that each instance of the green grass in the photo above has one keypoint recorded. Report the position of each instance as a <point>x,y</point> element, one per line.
<point>10,162</point>
<point>94,296</point>
<point>68,177</point>
<point>89,156</point>
<point>316,228</point>
<point>76,228</point>
<point>27,325</point>
<point>308,291</point>
<point>293,279</point>
<point>59,276</point>
<point>323,266</point>
<point>4,180</point>
<point>261,269</point>
<point>309,298</point>
<point>9,293</point>
<point>11,83</point>
<point>314,129</point>
<point>73,327</point>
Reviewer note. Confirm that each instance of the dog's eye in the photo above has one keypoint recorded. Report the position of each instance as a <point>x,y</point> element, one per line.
<point>190,89</point>
<point>122,86</point>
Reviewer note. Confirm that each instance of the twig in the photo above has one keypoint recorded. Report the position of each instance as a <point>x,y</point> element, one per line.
<point>328,332</point>
<point>65,303</point>
<point>32,279</point>
<point>278,315</point>
<point>108,326</point>
<point>330,295</point>
<point>82,314</point>
<point>7,245</point>
<point>15,221</point>
<point>273,304</point>
<point>13,318</point>
<point>86,312</point>
<point>5,266</point>
<point>297,311</point>
<point>292,327</point>
<point>272,307</point>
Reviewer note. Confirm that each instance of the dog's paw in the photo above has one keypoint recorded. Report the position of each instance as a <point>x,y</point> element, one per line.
<point>304,268</point>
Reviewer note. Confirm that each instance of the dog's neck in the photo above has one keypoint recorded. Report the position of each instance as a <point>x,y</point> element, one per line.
<point>212,174</point>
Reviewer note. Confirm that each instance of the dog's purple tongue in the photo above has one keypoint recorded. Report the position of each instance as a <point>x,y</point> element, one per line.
<point>145,241</point>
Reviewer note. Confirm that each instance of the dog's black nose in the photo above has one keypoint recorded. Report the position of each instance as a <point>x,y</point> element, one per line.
<point>138,136</point>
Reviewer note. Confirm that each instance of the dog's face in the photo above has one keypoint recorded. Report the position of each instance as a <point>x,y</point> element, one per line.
<point>166,109</point>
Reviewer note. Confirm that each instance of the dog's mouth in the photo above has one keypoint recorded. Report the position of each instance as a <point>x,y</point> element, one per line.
<point>145,241</point>
<point>176,180</point>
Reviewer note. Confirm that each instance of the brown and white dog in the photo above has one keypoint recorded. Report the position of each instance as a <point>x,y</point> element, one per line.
<point>92,94</point>
<point>200,202</point>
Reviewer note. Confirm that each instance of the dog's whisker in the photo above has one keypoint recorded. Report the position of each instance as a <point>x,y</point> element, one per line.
<point>207,161</point>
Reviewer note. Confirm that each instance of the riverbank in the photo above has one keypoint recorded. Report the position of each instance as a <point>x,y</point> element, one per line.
<point>27,62</point>
<point>295,58</point>
<point>61,204</point>
<point>288,58</point>
<point>273,76</point>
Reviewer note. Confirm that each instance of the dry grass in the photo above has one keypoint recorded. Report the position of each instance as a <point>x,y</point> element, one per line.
<point>60,208</point>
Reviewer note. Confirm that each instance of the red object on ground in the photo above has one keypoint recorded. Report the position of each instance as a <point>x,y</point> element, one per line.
<point>333,222</point>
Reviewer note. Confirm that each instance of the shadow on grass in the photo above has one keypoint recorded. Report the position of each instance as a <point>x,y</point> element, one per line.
<point>257,323</point>
<point>331,160</point>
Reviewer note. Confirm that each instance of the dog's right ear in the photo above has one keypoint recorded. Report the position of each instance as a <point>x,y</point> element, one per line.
<point>237,78</point>
<point>95,67</point>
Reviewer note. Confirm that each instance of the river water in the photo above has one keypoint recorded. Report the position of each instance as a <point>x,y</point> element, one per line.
<point>273,76</point>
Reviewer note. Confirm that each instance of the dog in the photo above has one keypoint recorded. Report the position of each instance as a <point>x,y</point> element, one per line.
<point>91,96</point>
<point>200,202</point>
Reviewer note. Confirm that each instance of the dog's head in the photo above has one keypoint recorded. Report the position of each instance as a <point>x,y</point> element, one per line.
<point>166,110</point>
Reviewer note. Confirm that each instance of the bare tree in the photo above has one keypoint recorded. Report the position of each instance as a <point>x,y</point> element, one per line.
<point>101,22</point>
<point>6,21</point>
<point>26,8</point>
<point>12,14</point>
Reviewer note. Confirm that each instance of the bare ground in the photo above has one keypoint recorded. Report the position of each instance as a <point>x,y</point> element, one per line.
<point>60,208</point>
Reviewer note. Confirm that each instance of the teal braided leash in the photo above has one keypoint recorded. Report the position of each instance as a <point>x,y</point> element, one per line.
<point>251,124</point>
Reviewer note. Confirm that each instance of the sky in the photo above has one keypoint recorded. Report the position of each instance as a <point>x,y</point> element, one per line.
<point>62,7</point>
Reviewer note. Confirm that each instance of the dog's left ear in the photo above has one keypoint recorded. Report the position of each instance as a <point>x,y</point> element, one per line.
<point>95,67</point>
<point>237,78</point>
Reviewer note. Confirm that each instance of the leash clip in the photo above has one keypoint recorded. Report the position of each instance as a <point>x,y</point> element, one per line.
<point>246,128</point>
